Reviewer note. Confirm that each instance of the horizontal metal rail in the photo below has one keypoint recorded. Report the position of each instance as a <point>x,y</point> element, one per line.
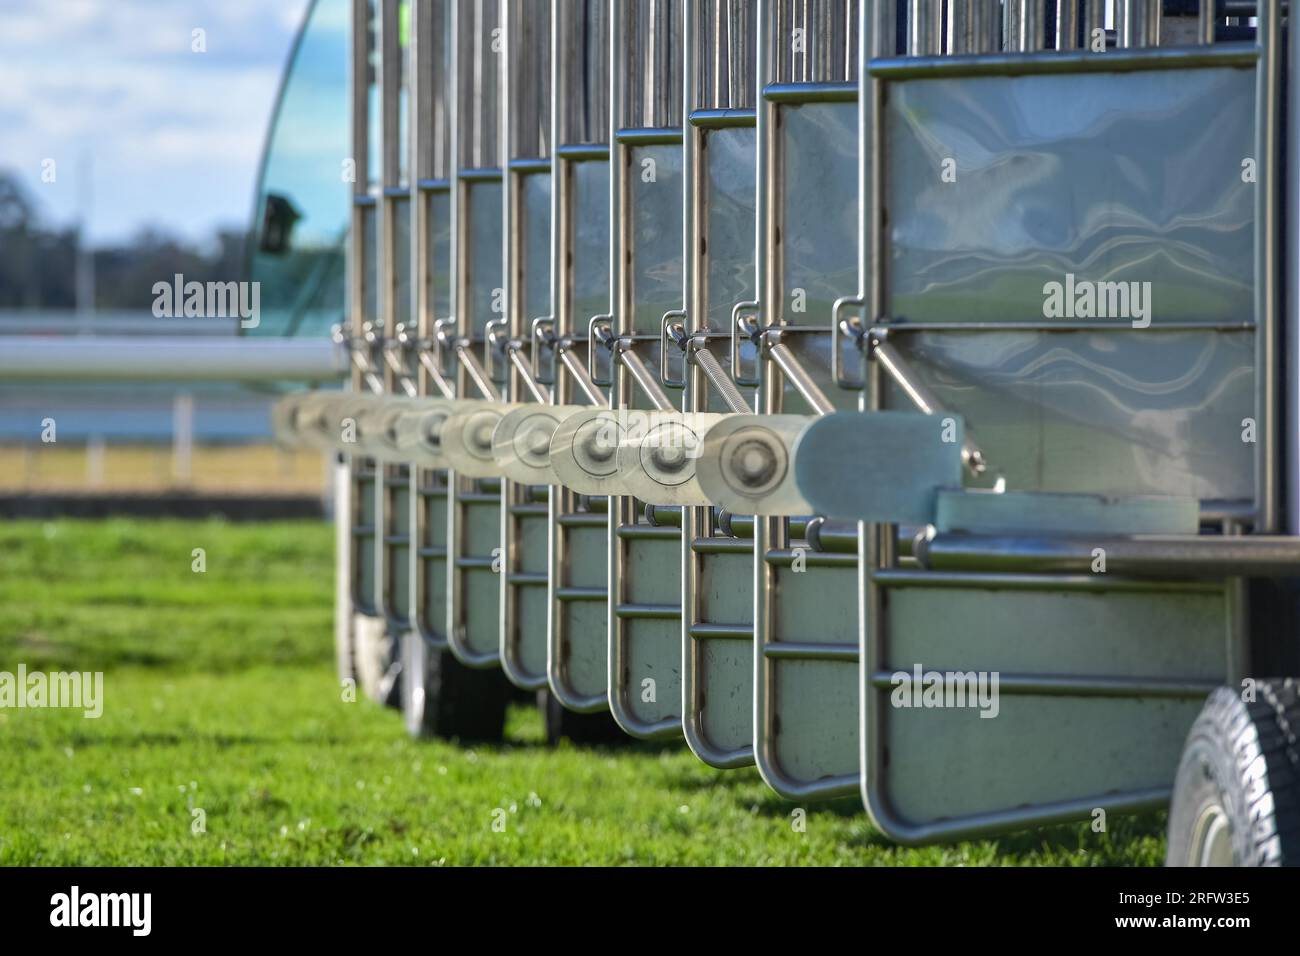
<point>1228,55</point>
<point>1140,556</point>
<point>191,358</point>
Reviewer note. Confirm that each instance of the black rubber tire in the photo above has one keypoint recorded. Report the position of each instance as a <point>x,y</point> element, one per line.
<point>598,729</point>
<point>441,697</point>
<point>1240,767</point>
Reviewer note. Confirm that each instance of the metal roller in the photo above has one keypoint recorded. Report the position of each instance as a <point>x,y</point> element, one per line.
<point>746,465</point>
<point>521,443</point>
<point>660,462</point>
<point>466,437</point>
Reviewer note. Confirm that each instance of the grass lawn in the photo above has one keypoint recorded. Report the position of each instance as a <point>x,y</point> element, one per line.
<point>225,738</point>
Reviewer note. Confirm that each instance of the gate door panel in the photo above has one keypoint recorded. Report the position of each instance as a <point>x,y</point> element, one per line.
<point>525,520</point>
<point>577,591</point>
<point>1070,265</point>
<point>431,268</point>
<point>806,597</point>
<point>718,581</point>
<point>645,572</point>
<point>474,505</point>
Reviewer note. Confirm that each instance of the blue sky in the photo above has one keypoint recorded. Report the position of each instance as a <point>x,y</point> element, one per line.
<point>173,137</point>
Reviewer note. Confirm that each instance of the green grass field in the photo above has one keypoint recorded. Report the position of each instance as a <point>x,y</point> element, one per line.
<point>225,738</point>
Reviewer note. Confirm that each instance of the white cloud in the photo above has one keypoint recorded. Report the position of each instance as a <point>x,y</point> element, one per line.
<point>175,136</point>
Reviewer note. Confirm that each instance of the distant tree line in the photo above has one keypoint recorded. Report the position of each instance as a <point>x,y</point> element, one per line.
<point>38,263</point>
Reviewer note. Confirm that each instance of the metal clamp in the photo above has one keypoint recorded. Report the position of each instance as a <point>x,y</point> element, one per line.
<point>542,334</point>
<point>679,338</point>
<point>439,340</point>
<point>855,330</point>
<point>750,332</point>
<point>397,351</point>
<point>606,338</point>
<point>493,342</point>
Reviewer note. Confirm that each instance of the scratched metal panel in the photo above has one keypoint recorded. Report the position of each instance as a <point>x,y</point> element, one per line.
<point>956,763</point>
<point>727,694</point>
<point>726,590</point>
<point>948,763</point>
<point>1112,633</point>
<point>654,654</point>
<point>817,737</point>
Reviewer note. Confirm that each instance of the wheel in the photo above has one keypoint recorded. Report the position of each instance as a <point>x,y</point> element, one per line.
<point>597,728</point>
<point>441,697</point>
<point>1236,797</point>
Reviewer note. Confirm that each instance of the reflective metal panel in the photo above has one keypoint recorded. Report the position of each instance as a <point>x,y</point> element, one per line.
<point>1114,412</point>
<point>998,187</point>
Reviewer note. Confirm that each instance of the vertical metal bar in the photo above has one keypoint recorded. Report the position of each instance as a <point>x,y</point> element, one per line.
<point>924,28</point>
<point>1267,108</point>
<point>1067,24</point>
<point>1205,21</point>
<point>1094,23</point>
<point>579,114</point>
<point>871,630</point>
<point>1013,15</point>
<point>1141,23</point>
<point>984,30</point>
<point>961,25</point>
<point>1033,30</point>
<point>360,93</point>
<point>1291,281</point>
<point>390,81</point>
<point>886,17</point>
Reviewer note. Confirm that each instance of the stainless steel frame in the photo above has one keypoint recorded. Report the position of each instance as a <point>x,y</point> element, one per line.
<point>394,339</point>
<point>645,609</point>
<point>577,547</point>
<point>526,252</point>
<point>474,505</point>
<point>805,697</point>
<point>717,581</point>
<point>430,166</point>
<point>365,624</point>
<point>1144,673</point>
